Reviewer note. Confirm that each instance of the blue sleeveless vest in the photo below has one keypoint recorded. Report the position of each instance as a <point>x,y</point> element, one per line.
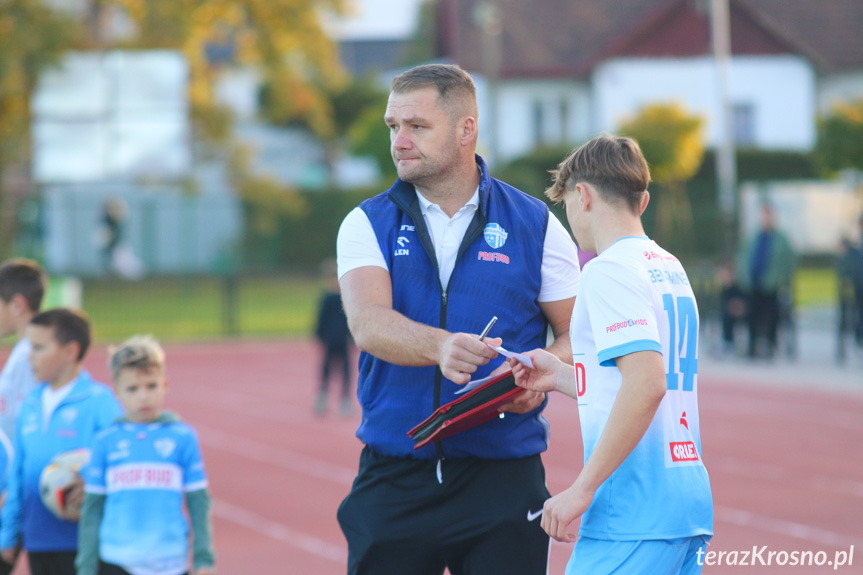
<point>497,273</point>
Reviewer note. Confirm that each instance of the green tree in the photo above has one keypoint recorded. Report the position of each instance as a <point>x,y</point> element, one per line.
<point>369,136</point>
<point>840,138</point>
<point>672,141</point>
<point>32,37</point>
<point>423,46</point>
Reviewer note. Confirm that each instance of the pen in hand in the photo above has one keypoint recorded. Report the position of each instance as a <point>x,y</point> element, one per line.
<point>487,328</point>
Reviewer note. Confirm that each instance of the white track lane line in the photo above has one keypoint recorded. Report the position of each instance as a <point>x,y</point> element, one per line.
<point>280,532</point>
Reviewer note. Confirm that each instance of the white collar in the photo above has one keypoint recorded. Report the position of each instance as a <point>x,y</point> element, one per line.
<point>425,203</point>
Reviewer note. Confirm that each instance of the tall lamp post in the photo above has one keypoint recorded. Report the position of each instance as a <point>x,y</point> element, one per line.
<point>487,17</point>
<point>726,162</point>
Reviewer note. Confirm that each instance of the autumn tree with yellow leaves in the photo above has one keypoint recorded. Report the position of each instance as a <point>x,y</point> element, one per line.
<point>840,138</point>
<point>672,141</point>
<point>32,37</point>
<point>282,40</point>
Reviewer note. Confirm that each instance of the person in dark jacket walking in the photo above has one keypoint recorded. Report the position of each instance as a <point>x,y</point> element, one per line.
<point>335,338</point>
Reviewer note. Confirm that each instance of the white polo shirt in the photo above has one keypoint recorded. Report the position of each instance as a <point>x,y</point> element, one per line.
<point>358,247</point>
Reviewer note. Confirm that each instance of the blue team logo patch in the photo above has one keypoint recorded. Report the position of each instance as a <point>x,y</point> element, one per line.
<point>495,236</point>
<point>165,447</point>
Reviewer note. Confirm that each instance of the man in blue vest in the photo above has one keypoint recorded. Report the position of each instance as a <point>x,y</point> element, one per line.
<point>422,268</point>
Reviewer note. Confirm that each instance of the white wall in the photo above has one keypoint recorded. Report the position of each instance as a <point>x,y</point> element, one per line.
<point>517,101</point>
<point>781,90</point>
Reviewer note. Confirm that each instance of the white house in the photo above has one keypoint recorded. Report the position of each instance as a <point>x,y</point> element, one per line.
<point>568,70</point>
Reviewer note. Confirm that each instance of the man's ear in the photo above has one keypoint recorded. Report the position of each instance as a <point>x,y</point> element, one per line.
<point>467,130</point>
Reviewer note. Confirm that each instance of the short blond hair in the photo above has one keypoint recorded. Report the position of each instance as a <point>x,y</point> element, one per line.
<point>455,88</point>
<point>614,165</point>
<point>142,352</point>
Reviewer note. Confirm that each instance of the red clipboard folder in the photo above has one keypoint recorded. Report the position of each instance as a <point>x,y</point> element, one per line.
<point>473,408</point>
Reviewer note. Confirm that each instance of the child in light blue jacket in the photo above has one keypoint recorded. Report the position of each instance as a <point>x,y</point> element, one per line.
<point>64,413</point>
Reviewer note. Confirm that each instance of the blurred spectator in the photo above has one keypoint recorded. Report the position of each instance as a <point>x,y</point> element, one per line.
<point>332,331</point>
<point>765,266</point>
<point>111,231</point>
<point>732,306</point>
<point>850,268</point>
<point>117,255</point>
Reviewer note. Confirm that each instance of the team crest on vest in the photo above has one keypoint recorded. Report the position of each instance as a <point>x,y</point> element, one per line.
<point>495,236</point>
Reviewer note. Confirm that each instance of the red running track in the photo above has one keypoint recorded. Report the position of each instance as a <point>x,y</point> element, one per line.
<point>786,465</point>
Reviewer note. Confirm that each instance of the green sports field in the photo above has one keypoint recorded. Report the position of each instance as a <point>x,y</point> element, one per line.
<point>201,308</point>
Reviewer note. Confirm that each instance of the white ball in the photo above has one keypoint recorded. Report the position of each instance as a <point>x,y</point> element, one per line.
<point>58,475</point>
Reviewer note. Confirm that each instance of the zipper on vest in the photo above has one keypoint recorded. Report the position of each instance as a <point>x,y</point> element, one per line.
<point>438,378</point>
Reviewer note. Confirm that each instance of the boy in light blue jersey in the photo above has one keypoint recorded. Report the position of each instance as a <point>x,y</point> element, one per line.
<point>62,414</point>
<point>132,521</point>
<point>22,287</point>
<point>643,495</point>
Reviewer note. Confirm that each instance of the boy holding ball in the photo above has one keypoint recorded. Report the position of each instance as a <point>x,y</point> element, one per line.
<point>62,414</point>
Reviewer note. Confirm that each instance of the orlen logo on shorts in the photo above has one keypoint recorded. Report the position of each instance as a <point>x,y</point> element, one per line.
<point>683,451</point>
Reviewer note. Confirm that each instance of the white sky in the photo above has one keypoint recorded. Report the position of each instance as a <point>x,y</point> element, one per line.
<point>375,20</point>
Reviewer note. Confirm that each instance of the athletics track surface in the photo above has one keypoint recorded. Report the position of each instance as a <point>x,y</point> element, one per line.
<point>786,462</point>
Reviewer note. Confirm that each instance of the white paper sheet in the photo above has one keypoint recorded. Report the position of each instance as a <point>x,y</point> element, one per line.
<point>520,357</point>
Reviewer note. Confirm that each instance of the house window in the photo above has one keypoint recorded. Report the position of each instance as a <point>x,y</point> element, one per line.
<point>743,124</point>
<point>564,121</point>
<point>538,121</point>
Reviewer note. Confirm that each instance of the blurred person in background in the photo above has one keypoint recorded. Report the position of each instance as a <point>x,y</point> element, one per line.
<point>732,306</point>
<point>335,338</point>
<point>111,231</point>
<point>850,269</point>
<point>117,255</point>
<point>23,284</point>
<point>765,267</point>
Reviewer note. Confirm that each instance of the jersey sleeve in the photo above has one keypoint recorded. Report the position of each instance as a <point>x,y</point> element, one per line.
<point>622,314</point>
<point>356,244</point>
<point>560,270</point>
<point>194,476</point>
<point>6,455</point>
<point>93,473</point>
<point>10,515</point>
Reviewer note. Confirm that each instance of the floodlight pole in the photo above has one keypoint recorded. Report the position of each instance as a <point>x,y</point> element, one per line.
<point>726,162</point>
<point>487,16</point>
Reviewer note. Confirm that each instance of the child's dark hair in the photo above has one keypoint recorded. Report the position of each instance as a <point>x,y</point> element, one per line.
<point>25,277</point>
<point>69,325</point>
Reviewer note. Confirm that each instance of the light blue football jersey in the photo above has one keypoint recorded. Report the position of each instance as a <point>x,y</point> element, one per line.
<point>144,470</point>
<point>635,296</point>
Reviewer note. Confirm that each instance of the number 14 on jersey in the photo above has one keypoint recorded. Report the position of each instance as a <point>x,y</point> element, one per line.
<point>682,341</point>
